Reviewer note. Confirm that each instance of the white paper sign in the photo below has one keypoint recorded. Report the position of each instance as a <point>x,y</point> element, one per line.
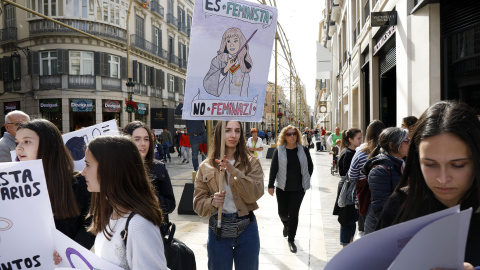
<point>75,256</point>
<point>229,60</point>
<point>25,217</point>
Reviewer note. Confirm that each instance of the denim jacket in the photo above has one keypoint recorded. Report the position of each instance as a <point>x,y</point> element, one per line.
<point>193,126</point>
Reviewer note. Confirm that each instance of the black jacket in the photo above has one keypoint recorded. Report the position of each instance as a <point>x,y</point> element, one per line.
<point>163,187</point>
<point>382,183</point>
<point>75,227</point>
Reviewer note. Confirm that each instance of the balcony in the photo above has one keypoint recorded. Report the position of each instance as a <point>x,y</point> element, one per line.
<point>182,63</point>
<point>140,89</point>
<point>173,59</point>
<point>12,86</point>
<point>156,92</point>
<point>172,20</point>
<point>8,34</point>
<point>467,66</point>
<point>112,84</point>
<point>93,28</point>
<point>157,8</point>
<point>182,27</point>
<point>140,43</point>
<point>189,30</point>
<point>50,82</point>
<point>171,96</point>
<point>81,82</point>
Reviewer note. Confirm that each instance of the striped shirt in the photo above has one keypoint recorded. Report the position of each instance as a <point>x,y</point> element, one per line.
<point>358,160</point>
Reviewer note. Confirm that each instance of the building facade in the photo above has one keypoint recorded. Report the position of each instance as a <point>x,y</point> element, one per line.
<point>425,52</point>
<point>52,72</point>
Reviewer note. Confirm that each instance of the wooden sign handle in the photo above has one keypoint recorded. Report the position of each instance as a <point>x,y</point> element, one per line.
<point>221,175</point>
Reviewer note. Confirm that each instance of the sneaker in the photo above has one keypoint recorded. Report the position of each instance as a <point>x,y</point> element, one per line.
<point>184,161</point>
<point>358,235</point>
<point>188,161</point>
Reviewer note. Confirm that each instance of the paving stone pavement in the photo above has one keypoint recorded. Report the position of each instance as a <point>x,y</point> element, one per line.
<point>318,231</point>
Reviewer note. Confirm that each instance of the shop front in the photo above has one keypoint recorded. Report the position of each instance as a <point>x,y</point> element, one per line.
<point>142,112</point>
<point>51,110</point>
<point>111,109</point>
<point>82,113</point>
<point>11,106</point>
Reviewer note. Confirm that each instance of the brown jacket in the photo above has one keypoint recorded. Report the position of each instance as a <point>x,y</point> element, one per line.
<point>247,187</point>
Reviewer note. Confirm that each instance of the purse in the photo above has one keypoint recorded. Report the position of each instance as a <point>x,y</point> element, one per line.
<point>179,256</point>
<point>231,227</point>
<point>347,194</point>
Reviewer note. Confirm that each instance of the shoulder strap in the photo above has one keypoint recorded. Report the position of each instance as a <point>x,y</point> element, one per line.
<point>389,173</point>
<point>124,233</point>
<point>163,231</point>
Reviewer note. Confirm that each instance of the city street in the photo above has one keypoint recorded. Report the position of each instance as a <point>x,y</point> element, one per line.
<point>318,230</point>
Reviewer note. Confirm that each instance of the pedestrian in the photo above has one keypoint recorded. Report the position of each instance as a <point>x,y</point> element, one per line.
<point>166,140</point>
<point>203,151</point>
<point>197,135</point>
<point>242,187</point>
<point>409,123</point>
<point>332,139</point>
<point>255,144</point>
<point>120,192</point>
<point>185,146</point>
<point>323,139</point>
<point>442,170</point>
<point>347,215</point>
<point>7,143</point>
<point>261,134</point>
<point>309,136</point>
<point>158,173</point>
<point>359,159</point>
<point>269,136</point>
<point>292,167</point>
<point>178,134</point>
<point>67,189</point>
<point>384,170</point>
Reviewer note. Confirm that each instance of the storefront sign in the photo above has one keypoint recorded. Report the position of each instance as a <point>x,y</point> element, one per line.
<point>81,105</point>
<point>50,105</point>
<point>383,18</point>
<point>142,108</point>
<point>11,106</point>
<point>112,106</point>
<point>384,39</point>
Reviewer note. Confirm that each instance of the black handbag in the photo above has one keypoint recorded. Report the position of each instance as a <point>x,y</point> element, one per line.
<point>171,149</point>
<point>179,256</point>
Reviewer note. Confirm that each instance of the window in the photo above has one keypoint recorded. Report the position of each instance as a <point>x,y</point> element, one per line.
<point>48,63</point>
<point>139,23</point>
<point>171,83</point>
<point>157,39</point>
<point>81,63</point>
<point>114,62</point>
<point>182,91</point>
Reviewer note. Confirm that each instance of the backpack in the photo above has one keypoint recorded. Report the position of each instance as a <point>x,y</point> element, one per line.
<point>364,197</point>
<point>179,256</point>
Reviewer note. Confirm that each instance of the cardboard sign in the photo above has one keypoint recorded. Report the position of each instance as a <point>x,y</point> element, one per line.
<point>230,51</point>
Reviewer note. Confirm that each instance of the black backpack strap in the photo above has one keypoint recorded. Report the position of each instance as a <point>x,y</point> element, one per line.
<point>124,233</point>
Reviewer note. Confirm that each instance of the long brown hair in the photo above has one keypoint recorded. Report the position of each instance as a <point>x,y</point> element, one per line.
<point>371,138</point>
<point>57,166</point>
<point>131,127</point>
<point>124,184</point>
<point>241,153</point>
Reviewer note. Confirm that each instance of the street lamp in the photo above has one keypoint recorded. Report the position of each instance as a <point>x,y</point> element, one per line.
<point>130,84</point>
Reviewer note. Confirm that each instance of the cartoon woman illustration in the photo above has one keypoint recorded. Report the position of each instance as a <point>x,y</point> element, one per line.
<point>229,70</point>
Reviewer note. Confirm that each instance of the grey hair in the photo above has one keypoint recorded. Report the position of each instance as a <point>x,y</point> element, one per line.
<point>394,135</point>
<point>7,116</point>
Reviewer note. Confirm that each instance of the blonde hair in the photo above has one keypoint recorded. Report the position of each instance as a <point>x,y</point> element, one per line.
<point>243,57</point>
<point>281,137</point>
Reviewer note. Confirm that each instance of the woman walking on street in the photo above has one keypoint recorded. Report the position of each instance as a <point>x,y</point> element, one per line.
<point>238,239</point>
<point>185,146</point>
<point>254,144</point>
<point>347,215</point>
<point>292,167</point>
<point>158,173</point>
<point>384,170</point>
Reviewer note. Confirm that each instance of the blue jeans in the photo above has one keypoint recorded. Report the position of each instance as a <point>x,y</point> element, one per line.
<point>166,152</point>
<point>195,141</point>
<point>244,250</point>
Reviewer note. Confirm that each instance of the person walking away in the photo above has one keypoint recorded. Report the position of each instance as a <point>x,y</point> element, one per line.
<point>203,151</point>
<point>269,136</point>
<point>255,144</point>
<point>178,134</point>
<point>292,168</point>
<point>243,185</point>
<point>7,143</point>
<point>384,170</point>
<point>166,140</point>
<point>347,215</point>
<point>185,146</point>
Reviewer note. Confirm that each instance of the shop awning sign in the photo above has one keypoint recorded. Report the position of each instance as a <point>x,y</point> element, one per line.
<point>383,18</point>
<point>81,105</point>
<point>50,105</point>
<point>142,108</point>
<point>12,106</point>
<point>112,106</point>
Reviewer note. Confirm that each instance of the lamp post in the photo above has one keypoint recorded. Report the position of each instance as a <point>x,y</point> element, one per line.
<point>279,104</point>
<point>130,84</point>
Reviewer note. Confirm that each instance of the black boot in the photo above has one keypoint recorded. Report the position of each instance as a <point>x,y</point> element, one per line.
<point>292,246</point>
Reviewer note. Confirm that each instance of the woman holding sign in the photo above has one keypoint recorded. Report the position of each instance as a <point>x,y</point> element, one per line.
<point>442,170</point>
<point>69,197</point>
<point>237,240</point>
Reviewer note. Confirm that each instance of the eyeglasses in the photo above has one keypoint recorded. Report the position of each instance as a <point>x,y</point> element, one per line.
<point>16,124</point>
<point>288,134</point>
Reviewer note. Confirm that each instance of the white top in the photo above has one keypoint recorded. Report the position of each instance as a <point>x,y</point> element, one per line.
<point>229,203</point>
<point>144,245</point>
<point>258,144</point>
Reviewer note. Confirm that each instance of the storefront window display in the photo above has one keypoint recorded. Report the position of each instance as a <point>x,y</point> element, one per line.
<point>82,113</point>
<point>142,112</point>
<point>111,109</point>
<point>51,110</point>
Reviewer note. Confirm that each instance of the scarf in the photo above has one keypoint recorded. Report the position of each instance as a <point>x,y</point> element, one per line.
<point>282,166</point>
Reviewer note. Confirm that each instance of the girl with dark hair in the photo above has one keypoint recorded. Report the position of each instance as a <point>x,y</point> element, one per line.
<point>292,167</point>
<point>347,215</point>
<point>70,200</point>
<point>360,158</point>
<point>442,170</point>
<point>143,137</point>
<point>116,175</point>
<point>384,169</point>
<point>243,186</point>
<point>409,123</point>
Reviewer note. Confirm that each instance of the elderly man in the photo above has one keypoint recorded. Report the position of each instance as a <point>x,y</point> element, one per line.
<point>332,139</point>
<point>7,143</point>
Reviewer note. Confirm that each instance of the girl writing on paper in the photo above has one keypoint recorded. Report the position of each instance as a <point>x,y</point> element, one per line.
<point>238,239</point>
<point>442,170</point>
<point>229,72</point>
<point>69,197</point>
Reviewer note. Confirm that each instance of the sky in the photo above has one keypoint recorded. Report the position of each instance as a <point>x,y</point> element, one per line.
<point>300,22</point>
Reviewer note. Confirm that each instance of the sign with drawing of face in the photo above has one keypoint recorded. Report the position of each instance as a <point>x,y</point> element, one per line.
<point>229,60</point>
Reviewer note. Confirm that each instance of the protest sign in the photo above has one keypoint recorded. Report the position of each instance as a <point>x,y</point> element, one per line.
<point>230,51</point>
<point>26,217</point>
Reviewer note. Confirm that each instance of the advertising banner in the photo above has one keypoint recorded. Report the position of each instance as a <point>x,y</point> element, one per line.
<point>81,105</point>
<point>324,62</point>
<point>230,51</point>
<point>113,106</point>
<point>11,106</point>
<point>50,105</point>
